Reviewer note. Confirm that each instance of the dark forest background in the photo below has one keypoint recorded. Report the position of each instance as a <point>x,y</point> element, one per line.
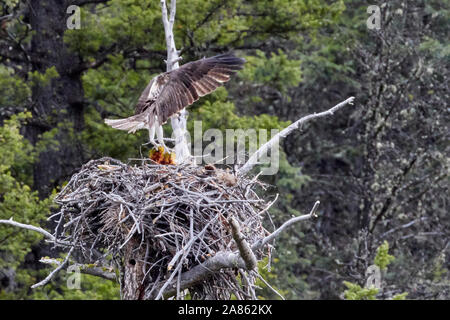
<point>380,167</point>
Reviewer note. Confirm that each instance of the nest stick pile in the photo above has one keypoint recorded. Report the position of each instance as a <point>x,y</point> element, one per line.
<point>177,215</point>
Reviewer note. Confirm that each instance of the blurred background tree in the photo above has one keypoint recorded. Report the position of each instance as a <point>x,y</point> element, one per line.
<point>380,170</point>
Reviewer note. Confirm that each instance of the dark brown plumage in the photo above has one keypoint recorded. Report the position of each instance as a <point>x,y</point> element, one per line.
<point>170,92</point>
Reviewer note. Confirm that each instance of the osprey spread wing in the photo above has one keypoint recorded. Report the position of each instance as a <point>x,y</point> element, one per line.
<point>170,92</point>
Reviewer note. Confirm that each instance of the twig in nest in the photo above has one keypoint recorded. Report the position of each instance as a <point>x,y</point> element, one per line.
<point>244,248</point>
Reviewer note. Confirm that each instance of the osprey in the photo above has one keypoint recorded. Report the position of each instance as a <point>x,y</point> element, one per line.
<point>170,92</point>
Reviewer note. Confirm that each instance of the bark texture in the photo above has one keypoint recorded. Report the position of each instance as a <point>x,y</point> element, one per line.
<point>60,103</point>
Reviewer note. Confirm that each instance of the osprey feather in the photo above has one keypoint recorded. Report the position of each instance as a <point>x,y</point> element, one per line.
<point>170,92</point>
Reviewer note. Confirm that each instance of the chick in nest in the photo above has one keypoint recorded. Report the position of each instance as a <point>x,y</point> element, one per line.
<point>225,176</point>
<point>160,156</point>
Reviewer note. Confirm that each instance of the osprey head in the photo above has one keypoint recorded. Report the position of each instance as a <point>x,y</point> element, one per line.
<point>156,86</point>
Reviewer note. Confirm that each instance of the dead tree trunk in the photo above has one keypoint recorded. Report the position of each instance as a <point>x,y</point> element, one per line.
<point>134,284</point>
<point>182,151</point>
<point>58,104</point>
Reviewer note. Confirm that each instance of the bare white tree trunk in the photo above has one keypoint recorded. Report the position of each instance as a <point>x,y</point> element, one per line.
<point>182,151</point>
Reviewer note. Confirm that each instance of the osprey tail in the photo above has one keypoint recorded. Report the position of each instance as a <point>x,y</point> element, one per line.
<point>130,124</point>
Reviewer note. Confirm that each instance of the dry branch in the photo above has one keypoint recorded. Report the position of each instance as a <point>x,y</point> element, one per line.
<point>97,271</point>
<point>48,235</point>
<point>178,123</point>
<point>11,222</point>
<point>253,160</point>
<point>245,250</point>
<point>55,271</point>
<point>262,242</point>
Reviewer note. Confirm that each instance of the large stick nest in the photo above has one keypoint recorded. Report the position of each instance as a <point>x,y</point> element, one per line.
<point>174,214</point>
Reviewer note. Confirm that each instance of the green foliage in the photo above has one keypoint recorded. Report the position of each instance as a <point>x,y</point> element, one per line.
<point>39,79</point>
<point>270,277</point>
<point>16,151</point>
<point>11,3</point>
<point>222,115</point>
<point>101,140</point>
<point>19,202</point>
<point>110,88</point>
<point>440,272</point>
<point>356,292</point>
<point>278,71</point>
<point>130,22</point>
<point>48,139</point>
<point>14,91</point>
<point>17,199</point>
<point>400,296</point>
<point>290,177</point>
<point>383,258</point>
<point>91,288</point>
